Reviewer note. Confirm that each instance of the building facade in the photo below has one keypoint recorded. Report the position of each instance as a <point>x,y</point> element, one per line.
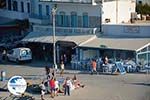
<point>78,24</point>
<point>118,11</point>
<point>76,18</point>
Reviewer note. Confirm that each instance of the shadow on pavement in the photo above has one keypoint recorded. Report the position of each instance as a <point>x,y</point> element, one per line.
<point>145,84</point>
<point>33,89</point>
<point>3,90</point>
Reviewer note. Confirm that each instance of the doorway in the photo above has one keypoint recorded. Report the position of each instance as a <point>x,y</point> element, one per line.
<point>66,51</point>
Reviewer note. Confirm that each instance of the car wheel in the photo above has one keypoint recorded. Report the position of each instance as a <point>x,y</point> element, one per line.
<point>17,61</point>
<point>7,58</point>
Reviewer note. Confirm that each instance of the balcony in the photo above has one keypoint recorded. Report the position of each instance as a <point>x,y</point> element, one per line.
<point>93,2</point>
<point>13,14</point>
<point>65,30</point>
<point>37,19</point>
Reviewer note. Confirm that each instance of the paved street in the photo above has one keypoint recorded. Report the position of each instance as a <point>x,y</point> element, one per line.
<point>98,87</point>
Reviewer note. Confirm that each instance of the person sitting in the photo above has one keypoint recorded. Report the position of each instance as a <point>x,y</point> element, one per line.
<point>76,82</point>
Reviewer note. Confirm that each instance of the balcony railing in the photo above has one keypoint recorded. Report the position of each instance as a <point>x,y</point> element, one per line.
<point>74,1</point>
<point>34,18</point>
<point>65,30</point>
<point>38,16</point>
<point>13,14</point>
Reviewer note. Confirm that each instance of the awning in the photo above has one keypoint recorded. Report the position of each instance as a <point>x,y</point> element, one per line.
<point>48,38</point>
<point>118,43</point>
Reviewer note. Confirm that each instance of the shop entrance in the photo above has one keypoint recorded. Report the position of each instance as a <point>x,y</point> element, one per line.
<point>65,52</point>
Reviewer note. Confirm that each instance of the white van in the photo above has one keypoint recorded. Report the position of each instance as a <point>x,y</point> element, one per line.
<point>19,54</point>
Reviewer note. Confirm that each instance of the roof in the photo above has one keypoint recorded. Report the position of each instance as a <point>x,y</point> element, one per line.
<point>90,41</point>
<point>118,43</point>
<point>48,38</point>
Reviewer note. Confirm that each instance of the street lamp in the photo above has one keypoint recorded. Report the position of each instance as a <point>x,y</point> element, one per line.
<point>54,47</point>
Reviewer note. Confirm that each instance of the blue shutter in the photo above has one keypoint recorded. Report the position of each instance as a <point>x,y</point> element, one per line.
<point>85,20</point>
<point>40,10</point>
<point>74,20</point>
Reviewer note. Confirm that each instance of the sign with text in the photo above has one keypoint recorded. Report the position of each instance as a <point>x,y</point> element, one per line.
<point>131,29</point>
<point>17,85</point>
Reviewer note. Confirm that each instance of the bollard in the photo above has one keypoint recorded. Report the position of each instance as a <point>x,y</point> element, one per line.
<point>3,75</point>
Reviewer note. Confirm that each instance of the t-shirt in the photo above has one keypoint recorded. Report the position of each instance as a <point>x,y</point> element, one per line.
<point>62,66</point>
<point>93,64</point>
<point>42,87</point>
<point>68,83</point>
<point>56,84</point>
<point>52,83</point>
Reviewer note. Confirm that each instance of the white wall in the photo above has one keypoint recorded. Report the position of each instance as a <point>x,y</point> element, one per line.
<point>68,8</point>
<point>126,30</point>
<point>124,11</point>
<point>80,8</point>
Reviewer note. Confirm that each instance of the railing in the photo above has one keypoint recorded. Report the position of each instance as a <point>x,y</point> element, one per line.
<point>74,1</point>
<point>70,1</point>
<point>13,14</point>
<point>65,30</point>
<point>36,16</point>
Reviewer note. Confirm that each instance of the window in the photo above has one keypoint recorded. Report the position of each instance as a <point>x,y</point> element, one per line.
<point>85,20</point>
<point>9,4</point>
<point>15,6</point>
<point>107,20</point>
<point>62,19</point>
<point>10,52</point>
<point>28,7</point>
<point>40,10</point>
<point>22,7</point>
<point>47,10</point>
<point>73,19</point>
<point>140,2</point>
<point>25,52</point>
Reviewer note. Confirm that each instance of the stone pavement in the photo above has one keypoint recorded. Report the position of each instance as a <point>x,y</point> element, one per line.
<point>98,87</point>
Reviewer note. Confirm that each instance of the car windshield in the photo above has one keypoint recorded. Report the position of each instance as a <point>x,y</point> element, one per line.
<point>25,52</point>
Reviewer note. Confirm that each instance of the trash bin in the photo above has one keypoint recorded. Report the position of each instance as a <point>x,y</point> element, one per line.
<point>3,75</point>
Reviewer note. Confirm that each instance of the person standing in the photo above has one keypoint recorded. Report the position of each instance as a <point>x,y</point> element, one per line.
<point>4,55</point>
<point>56,87</point>
<point>106,60</point>
<point>52,87</point>
<point>47,69</point>
<point>62,66</point>
<point>67,86</point>
<point>43,89</point>
<point>94,65</point>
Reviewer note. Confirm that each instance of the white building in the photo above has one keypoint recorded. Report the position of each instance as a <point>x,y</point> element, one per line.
<point>70,13</point>
<point>117,11</point>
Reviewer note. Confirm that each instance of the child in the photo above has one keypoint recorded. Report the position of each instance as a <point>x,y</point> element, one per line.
<point>52,86</point>
<point>56,87</point>
<point>43,89</point>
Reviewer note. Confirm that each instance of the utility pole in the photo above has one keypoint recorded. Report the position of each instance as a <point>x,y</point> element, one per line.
<point>54,41</point>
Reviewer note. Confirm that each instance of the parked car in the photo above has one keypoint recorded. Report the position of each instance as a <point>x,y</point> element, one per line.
<point>19,54</point>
